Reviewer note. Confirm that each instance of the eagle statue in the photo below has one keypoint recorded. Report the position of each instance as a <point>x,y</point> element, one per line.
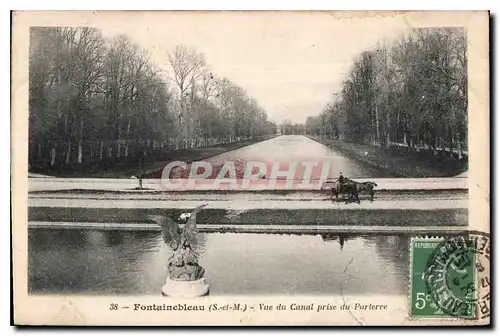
<point>183,264</point>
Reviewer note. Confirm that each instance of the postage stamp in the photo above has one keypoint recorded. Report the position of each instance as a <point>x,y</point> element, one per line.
<point>247,168</point>
<point>450,277</point>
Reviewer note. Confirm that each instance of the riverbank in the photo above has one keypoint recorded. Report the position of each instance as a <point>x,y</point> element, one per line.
<point>93,186</point>
<point>258,217</point>
<point>151,167</point>
<point>399,161</point>
<point>251,228</point>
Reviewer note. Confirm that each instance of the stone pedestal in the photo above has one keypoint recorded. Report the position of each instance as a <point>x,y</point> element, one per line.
<point>185,288</point>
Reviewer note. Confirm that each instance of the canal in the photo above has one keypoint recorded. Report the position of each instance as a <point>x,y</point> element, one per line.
<point>298,148</point>
<point>100,262</point>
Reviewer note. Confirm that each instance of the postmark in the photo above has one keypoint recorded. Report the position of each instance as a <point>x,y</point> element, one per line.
<point>450,277</point>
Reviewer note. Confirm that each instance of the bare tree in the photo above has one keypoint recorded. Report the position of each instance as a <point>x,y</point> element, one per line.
<point>413,92</point>
<point>186,65</point>
<point>94,101</point>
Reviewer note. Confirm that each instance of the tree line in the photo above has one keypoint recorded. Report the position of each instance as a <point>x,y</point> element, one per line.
<point>289,128</point>
<point>94,99</point>
<point>411,92</point>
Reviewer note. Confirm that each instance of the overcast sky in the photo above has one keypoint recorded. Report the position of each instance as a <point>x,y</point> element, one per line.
<point>290,62</point>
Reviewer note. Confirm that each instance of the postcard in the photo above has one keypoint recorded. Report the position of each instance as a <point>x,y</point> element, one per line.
<point>250,168</point>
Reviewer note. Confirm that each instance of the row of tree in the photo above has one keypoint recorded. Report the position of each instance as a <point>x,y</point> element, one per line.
<point>412,92</point>
<point>93,99</point>
<point>288,128</point>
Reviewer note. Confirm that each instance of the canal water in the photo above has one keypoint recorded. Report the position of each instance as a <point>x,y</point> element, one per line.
<point>105,262</point>
<point>300,149</point>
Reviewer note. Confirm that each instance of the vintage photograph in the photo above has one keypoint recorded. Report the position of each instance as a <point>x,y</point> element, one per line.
<point>188,158</point>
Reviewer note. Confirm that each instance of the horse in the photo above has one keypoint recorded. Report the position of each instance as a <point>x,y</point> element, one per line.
<point>349,188</point>
<point>367,186</point>
<point>352,189</point>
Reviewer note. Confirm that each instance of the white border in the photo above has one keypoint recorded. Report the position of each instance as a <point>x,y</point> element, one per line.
<point>199,4</point>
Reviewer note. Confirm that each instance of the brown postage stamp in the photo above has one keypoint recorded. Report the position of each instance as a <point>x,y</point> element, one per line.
<point>250,168</point>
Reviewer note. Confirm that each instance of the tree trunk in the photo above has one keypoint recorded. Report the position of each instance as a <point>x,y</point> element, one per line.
<point>119,142</point>
<point>39,152</point>
<point>127,140</point>
<point>80,141</point>
<point>436,144</point>
<point>460,149</point>
<point>118,148</point>
<point>387,129</point>
<point>68,152</point>
<point>451,140</point>
<point>80,151</point>
<point>52,156</point>
<point>91,150</point>
<point>101,151</point>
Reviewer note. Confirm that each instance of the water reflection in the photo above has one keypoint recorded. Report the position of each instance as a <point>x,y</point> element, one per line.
<point>341,238</point>
<point>120,262</point>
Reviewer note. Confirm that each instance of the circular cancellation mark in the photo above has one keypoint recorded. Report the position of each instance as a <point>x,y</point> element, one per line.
<point>457,275</point>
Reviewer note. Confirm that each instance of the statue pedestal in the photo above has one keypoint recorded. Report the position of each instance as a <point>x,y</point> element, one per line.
<point>190,288</point>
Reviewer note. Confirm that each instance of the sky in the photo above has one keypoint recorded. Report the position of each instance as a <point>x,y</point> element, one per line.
<point>291,63</point>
